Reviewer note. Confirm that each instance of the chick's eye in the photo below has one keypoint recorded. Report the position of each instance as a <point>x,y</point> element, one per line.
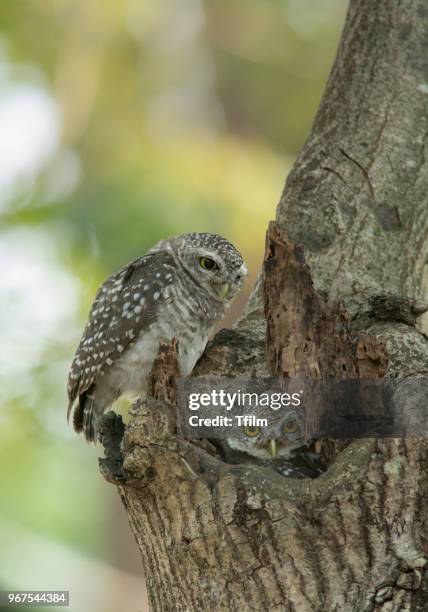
<point>251,432</point>
<point>291,426</point>
<point>207,264</point>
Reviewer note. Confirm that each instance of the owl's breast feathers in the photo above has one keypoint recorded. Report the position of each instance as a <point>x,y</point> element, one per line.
<point>125,305</point>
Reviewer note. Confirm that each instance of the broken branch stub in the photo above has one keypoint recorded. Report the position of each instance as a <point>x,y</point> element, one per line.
<point>308,336</point>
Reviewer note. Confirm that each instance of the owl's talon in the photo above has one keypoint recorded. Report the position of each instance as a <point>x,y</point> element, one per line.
<point>110,434</point>
<point>111,427</point>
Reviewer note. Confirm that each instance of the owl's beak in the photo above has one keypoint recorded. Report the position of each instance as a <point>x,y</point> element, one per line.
<point>222,290</point>
<point>273,448</point>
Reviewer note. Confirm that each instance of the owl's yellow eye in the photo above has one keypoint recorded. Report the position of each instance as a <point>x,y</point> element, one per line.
<point>208,264</point>
<point>251,432</point>
<point>291,426</point>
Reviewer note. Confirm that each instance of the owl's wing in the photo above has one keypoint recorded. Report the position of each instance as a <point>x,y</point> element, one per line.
<point>124,306</point>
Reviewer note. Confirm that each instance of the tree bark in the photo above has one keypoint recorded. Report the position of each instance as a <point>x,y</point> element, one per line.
<point>215,536</point>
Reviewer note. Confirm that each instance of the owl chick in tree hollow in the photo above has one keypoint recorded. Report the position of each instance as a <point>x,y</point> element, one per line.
<point>180,289</point>
<point>285,433</point>
<point>282,448</point>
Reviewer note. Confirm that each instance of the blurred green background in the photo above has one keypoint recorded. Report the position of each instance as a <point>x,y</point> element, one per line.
<point>121,123</point>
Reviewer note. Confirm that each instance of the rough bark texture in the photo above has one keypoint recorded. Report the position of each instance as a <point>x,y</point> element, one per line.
<point>295,311</point>
<point>309,337</point>
<point>240,537</point>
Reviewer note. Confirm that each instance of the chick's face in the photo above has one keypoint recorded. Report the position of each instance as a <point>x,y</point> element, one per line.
<point>276,440</point>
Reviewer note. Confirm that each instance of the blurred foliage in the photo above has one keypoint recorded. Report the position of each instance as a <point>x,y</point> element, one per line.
<point>165,117</point>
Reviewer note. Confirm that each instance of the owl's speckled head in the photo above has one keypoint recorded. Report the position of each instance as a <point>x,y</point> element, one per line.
<point>212,261</point>
<point>284,434</point>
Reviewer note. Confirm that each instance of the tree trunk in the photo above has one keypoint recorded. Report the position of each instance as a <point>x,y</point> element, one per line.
<point>215,536</point>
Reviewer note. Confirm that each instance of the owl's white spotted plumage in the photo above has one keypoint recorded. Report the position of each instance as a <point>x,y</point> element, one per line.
<point>180,289</point>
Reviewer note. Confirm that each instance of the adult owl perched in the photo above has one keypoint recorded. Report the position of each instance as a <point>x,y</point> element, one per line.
<point>180,289</point>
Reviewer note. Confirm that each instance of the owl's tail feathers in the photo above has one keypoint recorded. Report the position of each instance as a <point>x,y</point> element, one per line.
<point>85,417</point>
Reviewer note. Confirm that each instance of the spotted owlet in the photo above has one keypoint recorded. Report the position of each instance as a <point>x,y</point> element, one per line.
<point>284,434</point>
<point>180,289</point>
<point>281,447</point>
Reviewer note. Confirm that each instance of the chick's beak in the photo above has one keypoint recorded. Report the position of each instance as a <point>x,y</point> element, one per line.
<point>273,448</point>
